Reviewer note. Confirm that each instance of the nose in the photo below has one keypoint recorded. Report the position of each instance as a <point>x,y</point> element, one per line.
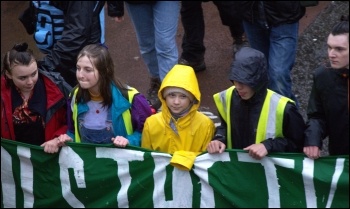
<point>238,85</point>
<point>30,80</point>
<point>79,74</point>
<point>331,53</point>
<point>177,100</point>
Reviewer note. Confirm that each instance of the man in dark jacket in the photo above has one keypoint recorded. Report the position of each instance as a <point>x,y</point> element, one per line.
<point>272,28</point>
<point>82,26</point>
<point>328,108</point>
<point>253,117</point>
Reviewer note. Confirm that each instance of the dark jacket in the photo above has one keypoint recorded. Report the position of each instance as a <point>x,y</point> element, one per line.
<point>55,121</point>
<point>82,27</point>
<point>328,110</point>
<point>250,68</point>
<point>276,12</point>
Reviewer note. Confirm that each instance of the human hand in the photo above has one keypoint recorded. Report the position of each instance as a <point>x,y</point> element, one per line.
<point>313,152</point>
<point>216,146</point>
<point>62,139</point>
<point>120,141</point>
<point>118,19</point>
<point>51,146</point>
<point>257,151</point>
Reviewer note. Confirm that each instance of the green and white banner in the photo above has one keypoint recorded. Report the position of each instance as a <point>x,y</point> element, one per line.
<point>103,176</point>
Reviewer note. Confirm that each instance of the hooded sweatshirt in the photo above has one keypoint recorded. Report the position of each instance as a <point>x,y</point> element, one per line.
<point>194,129</point>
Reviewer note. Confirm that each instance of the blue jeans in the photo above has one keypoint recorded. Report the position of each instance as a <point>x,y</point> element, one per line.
<point>156,27</point>
<point>102,136</point>
<point>279,46</point>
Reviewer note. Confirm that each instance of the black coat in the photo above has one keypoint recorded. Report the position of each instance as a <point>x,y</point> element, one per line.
<point>81,27</point>
<point>276,12</point>
<point>328,110</point>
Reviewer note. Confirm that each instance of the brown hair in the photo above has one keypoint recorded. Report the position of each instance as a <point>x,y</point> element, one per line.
<point>100,57</point>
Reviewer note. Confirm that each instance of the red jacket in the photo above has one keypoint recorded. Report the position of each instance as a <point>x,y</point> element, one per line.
<point>55,121</point>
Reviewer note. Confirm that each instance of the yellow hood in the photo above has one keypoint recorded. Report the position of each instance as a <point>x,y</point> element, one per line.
<point>184,77</point>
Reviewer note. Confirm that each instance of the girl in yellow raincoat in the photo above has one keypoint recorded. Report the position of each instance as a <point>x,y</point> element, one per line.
<point>179,128</point>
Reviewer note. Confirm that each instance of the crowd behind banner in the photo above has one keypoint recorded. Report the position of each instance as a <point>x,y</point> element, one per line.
<point>157,149</point>
<point>86,175</point>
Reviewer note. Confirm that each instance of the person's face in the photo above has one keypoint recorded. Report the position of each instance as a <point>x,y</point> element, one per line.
<point>177,102</point>
<point>244,91</point>
<point>87,75</point>
<point>24,77</point>
<point>338,51</point>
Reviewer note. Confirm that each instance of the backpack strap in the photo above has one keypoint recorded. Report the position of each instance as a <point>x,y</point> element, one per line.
<point>59,81</point>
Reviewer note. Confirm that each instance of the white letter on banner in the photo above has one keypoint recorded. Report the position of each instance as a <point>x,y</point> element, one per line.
<point>122,157</point>
<point>24,155</point>
<point>270,174</point>
<point>201,165</point>
<point>161,160</point>
<point>7,182</point>
<point>69,159</point>
<point>308,176</point>
<point>339,167</point>
<point>182,188</point>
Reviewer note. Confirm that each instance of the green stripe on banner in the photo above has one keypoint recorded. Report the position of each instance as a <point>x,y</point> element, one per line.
<point>87,175</point>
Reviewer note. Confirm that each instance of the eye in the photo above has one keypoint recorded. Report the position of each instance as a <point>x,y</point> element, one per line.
<point>183,96</point>
<point>89,69</point>
<point>34,74</point>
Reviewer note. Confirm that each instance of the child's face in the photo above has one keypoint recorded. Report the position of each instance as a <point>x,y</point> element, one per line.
<point>87,74</point>
<point>244,91</point>
<point>177,102</point>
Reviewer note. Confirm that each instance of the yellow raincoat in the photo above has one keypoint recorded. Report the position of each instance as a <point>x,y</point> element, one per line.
<point>195,130</point>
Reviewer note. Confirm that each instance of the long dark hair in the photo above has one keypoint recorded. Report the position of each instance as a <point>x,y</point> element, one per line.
<point>101,59</point>
<point>18,55</point>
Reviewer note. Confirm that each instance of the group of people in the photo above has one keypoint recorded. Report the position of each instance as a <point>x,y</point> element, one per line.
<point>101,109</point>
<point>271,28</point>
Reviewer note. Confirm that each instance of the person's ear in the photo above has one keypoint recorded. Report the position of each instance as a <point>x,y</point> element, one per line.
<point>8,75</point>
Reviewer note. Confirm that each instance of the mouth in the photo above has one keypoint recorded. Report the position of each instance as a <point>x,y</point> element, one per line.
<point>242,94</point>
<point>175,109</point>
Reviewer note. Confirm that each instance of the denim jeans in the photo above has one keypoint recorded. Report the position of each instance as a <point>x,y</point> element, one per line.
<point>156,27</point>
<point>101,135</point>
<point>279,46</point>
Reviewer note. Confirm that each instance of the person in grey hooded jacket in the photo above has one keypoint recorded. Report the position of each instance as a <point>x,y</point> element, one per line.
<point>253,117</point>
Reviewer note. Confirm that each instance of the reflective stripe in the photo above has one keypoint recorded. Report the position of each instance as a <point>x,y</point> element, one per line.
<point>270,123</point>
<point>223,104</point>
<point>74,107</point>
<point>271,117</point>
<point>126,114</point>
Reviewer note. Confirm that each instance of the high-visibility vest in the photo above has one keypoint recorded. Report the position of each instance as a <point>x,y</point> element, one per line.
<point>270,123</point>
<point>126,114</point>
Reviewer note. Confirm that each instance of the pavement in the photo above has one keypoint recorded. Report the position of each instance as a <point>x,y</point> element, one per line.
<point>122,43</point>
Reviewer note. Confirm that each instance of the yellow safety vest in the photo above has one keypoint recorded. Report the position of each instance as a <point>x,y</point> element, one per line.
<point>270,123</point>
<point>126,114</point>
